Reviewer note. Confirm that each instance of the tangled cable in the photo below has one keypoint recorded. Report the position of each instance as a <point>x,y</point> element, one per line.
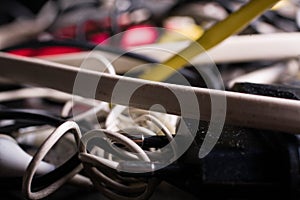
<point>99,151</point>
<point>100,168</point>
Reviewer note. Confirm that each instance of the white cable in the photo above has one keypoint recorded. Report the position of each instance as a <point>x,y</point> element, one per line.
<point>276,46</point>
<point>39,156</point>
<point>22,30</point>
<point>26,93</point>
<point>111,119</point>
<point>93,163</point>
<point>98,106</point>
<point>262,76</point>
<point>14,160</point>
<point>115,137</point>
<point>161,127</point>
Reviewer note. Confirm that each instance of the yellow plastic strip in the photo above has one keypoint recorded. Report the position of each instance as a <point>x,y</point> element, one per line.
<point>234,23</point>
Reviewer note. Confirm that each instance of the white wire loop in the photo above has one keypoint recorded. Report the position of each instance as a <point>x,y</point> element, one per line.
<point>107,185</point>
<point>41,153</point>
<point>97,105</point>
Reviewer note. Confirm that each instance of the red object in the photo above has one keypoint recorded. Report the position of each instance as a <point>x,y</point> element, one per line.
<point>23,52</point>
<point>99,38</point>
<point>43,51</point>
<point>88,27</point>
<point>139,35</point>
<point>56,50</point>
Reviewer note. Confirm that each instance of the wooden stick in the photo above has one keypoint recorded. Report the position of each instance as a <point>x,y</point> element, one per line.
<point>242,109</point>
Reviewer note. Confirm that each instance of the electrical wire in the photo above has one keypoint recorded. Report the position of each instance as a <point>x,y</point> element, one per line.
<point>216,34</point>
<point>108,186</point>
<point>54,95</point>
<point>143,124</point>
<point>162,127</point>
<point>41,153</point>
<point>267,75</point>
<point>25,93</point>
<point>242,48</point>
<point>71,165</point>
<point>114,136</point>
<point>117,120</point>
<point>98,105</point>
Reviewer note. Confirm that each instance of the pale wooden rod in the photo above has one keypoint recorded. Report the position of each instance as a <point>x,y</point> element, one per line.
<point>242,109</point>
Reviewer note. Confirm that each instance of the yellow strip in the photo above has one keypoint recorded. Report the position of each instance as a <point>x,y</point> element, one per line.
<point>213,36</point>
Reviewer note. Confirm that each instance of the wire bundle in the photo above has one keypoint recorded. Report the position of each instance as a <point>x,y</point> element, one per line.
<point>42,130</point>
<point>100,165</point>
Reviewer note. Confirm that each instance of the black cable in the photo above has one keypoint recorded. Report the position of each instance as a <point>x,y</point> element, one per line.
<point>30,115</point>
<point>33,117</point>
